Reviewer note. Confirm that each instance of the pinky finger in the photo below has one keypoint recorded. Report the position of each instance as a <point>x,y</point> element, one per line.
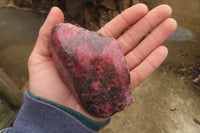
<point>150,64</point>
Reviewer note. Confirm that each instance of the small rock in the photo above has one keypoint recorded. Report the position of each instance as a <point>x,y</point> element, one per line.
<point>111,4</point>
<point>196,121</point>
<point>123,4</point>
<point>173,109</point>
<point>196,80</point>
<point>181,34</point>
<point>164,74</point>
<point>93,67</point>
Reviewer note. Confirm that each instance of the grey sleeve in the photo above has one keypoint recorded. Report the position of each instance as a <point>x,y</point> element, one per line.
<point>36,116</point>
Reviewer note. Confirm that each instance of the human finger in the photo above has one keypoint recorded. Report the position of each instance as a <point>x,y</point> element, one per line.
<point>150,64</point>
<point>133,36</point>
<point>151,42</point>
<point>128,17</point>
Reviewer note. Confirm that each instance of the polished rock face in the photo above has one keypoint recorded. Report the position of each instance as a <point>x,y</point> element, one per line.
<point>93,67</point>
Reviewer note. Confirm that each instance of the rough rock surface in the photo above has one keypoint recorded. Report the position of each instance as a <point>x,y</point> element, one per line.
<point>93,68</point>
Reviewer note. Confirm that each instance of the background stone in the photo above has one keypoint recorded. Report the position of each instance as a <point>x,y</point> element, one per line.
<point>111,4</point>
<point>75,9</point>
<point>28,3</point>
<point>18,2</point>
<point>123,4</point>
<point>91,17</point>
<point>135,2</point>
<point>181,34</point>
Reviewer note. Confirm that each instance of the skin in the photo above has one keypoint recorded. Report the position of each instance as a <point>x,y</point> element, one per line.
<point>143,52</point>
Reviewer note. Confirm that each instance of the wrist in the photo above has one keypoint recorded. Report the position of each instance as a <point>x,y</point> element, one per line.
<point>81,115</point>
<point>79,109</point>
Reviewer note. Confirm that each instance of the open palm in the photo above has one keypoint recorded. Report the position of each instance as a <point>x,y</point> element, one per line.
<point>143,55</point>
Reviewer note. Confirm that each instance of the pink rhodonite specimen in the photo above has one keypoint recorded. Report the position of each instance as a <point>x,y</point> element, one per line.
<point>93,68</point>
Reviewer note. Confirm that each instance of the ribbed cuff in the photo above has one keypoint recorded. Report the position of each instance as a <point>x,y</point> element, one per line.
<point>93,125</point>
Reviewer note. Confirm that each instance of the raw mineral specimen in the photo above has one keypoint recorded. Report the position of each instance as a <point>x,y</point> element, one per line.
<point>93,68</point>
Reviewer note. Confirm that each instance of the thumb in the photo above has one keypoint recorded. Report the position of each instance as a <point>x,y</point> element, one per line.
<point>42,46</point>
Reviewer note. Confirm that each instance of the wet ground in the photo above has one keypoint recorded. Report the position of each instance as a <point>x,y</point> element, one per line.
<point>164,103</point>
<point>184,45</point>
<point>161,104</point>
<point>18,32</point>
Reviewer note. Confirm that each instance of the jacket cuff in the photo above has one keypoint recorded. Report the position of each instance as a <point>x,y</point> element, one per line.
<point>89,123</point>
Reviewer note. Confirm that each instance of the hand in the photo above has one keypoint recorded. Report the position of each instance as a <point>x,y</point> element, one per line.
<point>142,57</point>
